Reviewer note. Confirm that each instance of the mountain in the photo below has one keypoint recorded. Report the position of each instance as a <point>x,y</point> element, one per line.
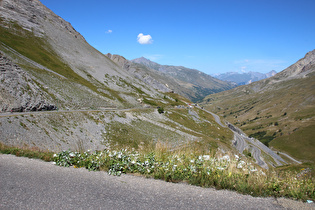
<point>59,93</point>
<point>96,101</point>
<point>280,110</point>
<point>271,73</point>
<point>195,84</point>
<point>244,78</point>
<point>154,78</point>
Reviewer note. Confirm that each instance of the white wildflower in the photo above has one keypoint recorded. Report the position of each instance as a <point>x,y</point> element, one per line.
<point>226,158</point>
<point>240,164</point>
<point>253,170</point>
<point>206,157</point>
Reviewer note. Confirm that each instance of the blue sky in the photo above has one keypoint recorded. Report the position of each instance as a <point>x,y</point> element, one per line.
<point>211,36</point>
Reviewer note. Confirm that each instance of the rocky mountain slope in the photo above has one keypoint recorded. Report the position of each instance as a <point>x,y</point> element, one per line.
<point>244,78</point>
<point>280,110</point>
<point>195,85</point>
<point>52,53</point>
<point>95,100</point>
<point>156,79</point>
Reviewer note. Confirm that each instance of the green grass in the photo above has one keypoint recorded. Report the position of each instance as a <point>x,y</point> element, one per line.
<point>151,102</point>
<point>284,114</point>
<point>296,145</point>
<point>207,130</point>
<point>29,152</point>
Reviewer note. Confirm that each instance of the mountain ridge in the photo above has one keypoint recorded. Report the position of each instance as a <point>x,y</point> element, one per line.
<point>244,78</point>
<point>198,82</point>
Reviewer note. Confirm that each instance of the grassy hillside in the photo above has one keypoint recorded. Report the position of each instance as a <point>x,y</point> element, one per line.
<point>281,115</point>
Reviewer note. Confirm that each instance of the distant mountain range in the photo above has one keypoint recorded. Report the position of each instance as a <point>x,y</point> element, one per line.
<point>244,78</point>
<point>195,84</point>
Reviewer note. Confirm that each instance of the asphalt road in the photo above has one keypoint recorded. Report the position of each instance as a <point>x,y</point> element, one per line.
<point>240,143</point>
<point>216,118</point>
<point>34,184</point>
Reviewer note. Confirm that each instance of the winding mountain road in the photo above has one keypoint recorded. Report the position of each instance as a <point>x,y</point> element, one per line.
<point>242,142</point>
<point>34,184</point>
<point>216,117</point>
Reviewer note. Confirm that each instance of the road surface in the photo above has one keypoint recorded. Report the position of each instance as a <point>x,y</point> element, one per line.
<point>34,184</point>
<point>216,118</point>
<point>291,158</point>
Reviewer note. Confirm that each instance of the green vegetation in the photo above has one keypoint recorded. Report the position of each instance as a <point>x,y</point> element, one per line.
<point>197,169</point>
<point>261,136</point>
<point>296,145</point>
<point>125,135</point>
<point>205,127</point>
<point>150,102</point>
<point>189,166</point>
<point>169,100</point>
<point>30,152</point>
<point>281,116</point>
<point>161,110</point>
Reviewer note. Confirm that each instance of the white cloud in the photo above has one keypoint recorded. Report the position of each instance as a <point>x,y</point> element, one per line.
<point>144,39</point>
<point>109,31</point>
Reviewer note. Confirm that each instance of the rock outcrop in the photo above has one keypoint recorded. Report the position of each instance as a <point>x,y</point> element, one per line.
<point>19,92</point>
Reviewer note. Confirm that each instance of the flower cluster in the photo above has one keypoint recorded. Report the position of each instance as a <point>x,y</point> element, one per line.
<point>124,161</point>
<point>203,170</point>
